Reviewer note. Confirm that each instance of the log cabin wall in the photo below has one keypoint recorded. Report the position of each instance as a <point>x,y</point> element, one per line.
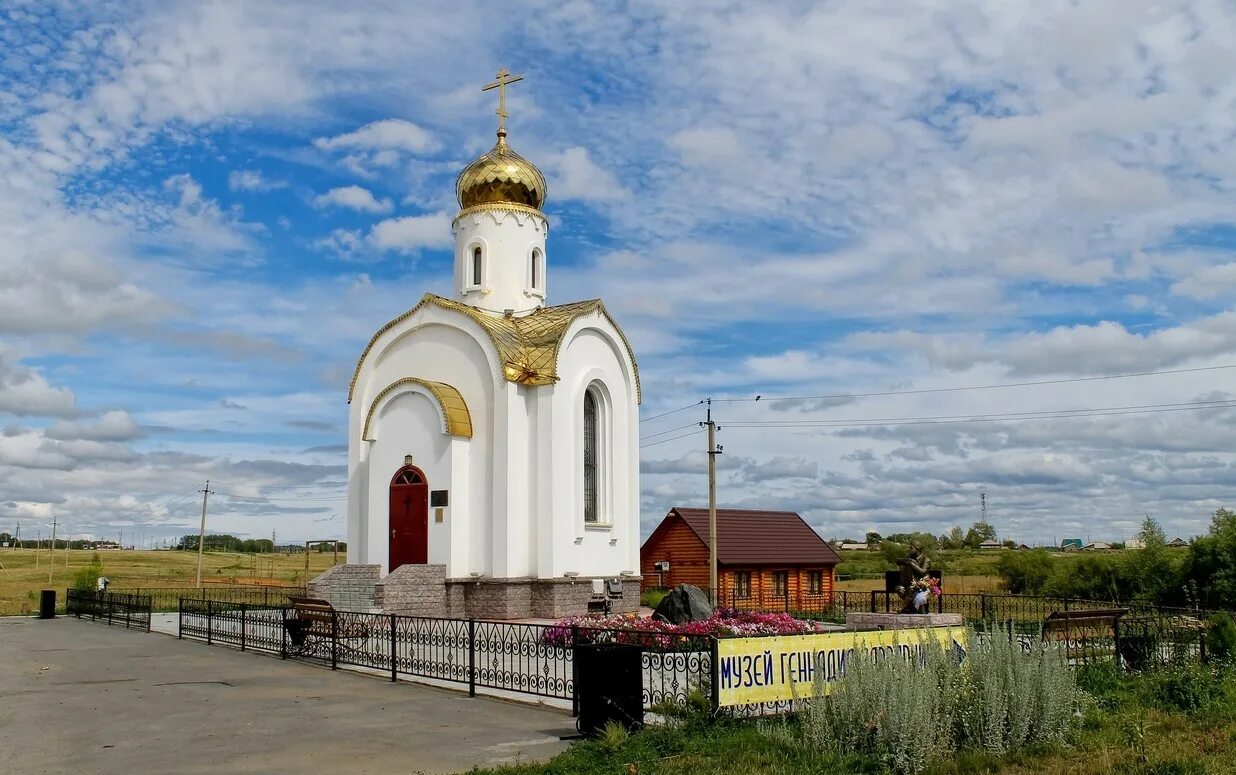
<point>674,541</point>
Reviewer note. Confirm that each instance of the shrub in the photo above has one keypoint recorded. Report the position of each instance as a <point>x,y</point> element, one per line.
<point>1024,573</point>
<point>909,714</point>
<point>1221,638</point>
<point>652,597</point>
<point>87,577</point>
<point>1187,687</point>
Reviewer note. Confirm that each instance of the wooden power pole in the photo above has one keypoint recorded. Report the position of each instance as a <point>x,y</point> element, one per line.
<point>201,533</point>
<point>713,451</point>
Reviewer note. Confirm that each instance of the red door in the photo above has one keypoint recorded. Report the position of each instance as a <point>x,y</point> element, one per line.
<point>409,518</point>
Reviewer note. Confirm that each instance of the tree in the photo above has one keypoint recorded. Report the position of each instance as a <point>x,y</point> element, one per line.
<point>1153,572</point>
<point>1024,573</point>
<point>978,533</point>
<point>955,539</point>
<point>1210,565</point>
<point>873,538</point>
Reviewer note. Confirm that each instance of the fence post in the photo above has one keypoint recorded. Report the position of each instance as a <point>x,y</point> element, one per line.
<point>394,661</point>
<point>283,639</point>
<point>1116,641</point>
<point>209,622</point>
<point>574,671</point>
<point>471,657</point>
<point>180,618</point>
<point>243,624</point>
<point>983,606</point>
<point>334,640</point>
<point>714,684</point>
<point>108,599</point>
<point>873,603</point>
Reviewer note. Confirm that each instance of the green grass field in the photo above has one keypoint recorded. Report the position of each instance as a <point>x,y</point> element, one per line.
<point>23,572</point>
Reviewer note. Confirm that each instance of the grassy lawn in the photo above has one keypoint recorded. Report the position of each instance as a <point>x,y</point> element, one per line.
<point>1127,730</point>
<point>23,575</point>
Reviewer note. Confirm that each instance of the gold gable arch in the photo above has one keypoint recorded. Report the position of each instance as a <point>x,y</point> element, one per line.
<point>457,420</point>
<point>527,346</point>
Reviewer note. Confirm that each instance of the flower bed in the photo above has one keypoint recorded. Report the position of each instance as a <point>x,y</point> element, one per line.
<point>656,634</point>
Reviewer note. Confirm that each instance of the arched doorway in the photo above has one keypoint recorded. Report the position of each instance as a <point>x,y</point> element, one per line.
<point>409,518</point>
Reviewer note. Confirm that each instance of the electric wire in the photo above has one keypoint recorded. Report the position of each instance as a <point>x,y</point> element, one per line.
<point>671,438</point>
<point>672,411</point>
<point>671,430</point>
<point>1048,414</point>
<point>1062,381</point>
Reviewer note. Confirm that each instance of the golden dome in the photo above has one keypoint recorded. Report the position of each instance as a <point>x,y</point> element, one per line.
<point>500,176</point>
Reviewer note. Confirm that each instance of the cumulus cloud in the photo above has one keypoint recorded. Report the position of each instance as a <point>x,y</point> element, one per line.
<point>115,425</point>
<point>412,232</point>
<point>25,392</point>
<point>388,134</point>
<point>354,198</point>
<point>251,180</point>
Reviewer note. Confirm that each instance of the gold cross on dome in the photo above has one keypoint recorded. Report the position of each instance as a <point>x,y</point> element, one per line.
<point>504,78</point>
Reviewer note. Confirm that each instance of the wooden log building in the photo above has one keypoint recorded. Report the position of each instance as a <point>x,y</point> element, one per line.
<point>766,560</point>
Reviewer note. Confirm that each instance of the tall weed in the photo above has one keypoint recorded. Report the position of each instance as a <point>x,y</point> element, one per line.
<point>911,714</point>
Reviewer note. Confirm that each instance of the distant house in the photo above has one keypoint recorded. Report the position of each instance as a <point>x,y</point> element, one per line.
<point>1071,545</point>
<point>1177,542</point>
<point>1135,543</point>
<point>765,559</point>
<point>1021,547</point>
<point>853,546</point>
<point>1097,546</point>
<point>990,543</point>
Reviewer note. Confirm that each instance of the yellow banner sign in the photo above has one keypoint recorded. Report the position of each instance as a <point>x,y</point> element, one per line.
<point>779,668</point>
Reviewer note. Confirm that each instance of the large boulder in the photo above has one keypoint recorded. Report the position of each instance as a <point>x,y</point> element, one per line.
<point>683,604</point>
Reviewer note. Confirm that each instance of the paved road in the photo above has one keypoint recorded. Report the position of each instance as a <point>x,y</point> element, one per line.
<point>77,697</point>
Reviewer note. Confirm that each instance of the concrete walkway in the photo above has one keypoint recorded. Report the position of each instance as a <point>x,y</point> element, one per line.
<point>77,697</point>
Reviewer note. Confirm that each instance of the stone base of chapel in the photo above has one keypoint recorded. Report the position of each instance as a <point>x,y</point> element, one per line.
<point>424,590</point>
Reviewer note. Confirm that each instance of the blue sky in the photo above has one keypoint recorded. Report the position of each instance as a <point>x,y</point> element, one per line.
<point>207,208</point>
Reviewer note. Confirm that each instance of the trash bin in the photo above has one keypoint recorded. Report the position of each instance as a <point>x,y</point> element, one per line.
<point>47,604</point>
<point>609,685</point>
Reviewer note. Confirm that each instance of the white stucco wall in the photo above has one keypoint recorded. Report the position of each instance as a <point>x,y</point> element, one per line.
<point>507,240</point>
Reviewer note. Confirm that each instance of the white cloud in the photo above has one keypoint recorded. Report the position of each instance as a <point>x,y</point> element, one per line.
<point>354,198</point>
<point>114,425</point>
<point>251,180</point>
<point>413,232</point>
<point>576,176</point>
<point>389,134</point>
<point>24,391</point>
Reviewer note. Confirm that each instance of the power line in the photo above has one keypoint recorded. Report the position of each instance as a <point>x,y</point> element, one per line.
<point>672,411</point>
<point>976,387</point>
<point>661,433</point>
<point>672,438</point>
<point>1047,414</point>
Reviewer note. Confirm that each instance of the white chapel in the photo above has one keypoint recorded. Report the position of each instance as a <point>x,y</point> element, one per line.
<point>492,437</point>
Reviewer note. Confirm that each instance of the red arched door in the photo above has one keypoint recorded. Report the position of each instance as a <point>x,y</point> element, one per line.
<point>409,518</point>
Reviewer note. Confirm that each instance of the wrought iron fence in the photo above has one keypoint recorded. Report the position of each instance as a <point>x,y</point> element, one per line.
<point>133,611</point>
<point>530,659</point>
<point>167,599</point>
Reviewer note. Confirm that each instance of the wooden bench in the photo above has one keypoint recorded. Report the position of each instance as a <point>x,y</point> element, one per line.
<point>1085,625</point>
<point>313,617</point>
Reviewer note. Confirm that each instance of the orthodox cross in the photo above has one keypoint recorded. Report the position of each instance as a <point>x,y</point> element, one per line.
<point>504,78</point>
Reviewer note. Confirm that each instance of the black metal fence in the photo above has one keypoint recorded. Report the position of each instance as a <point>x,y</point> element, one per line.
<point>531,659</point>
<point>133,611</point>
<point>167,599</point>
<point>1144,636</point>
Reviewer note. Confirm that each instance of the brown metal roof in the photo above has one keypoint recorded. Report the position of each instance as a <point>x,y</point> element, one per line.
<point>747,537</point>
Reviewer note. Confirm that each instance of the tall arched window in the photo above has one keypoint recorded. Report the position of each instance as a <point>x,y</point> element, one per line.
<point>476,266</point>
<point>536,269</point>
<point>591,457</point>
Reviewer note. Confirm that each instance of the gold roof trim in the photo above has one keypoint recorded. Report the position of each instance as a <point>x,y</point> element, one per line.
<point>507,207</point>
<point>457,420</point>
<point>527,346</point>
